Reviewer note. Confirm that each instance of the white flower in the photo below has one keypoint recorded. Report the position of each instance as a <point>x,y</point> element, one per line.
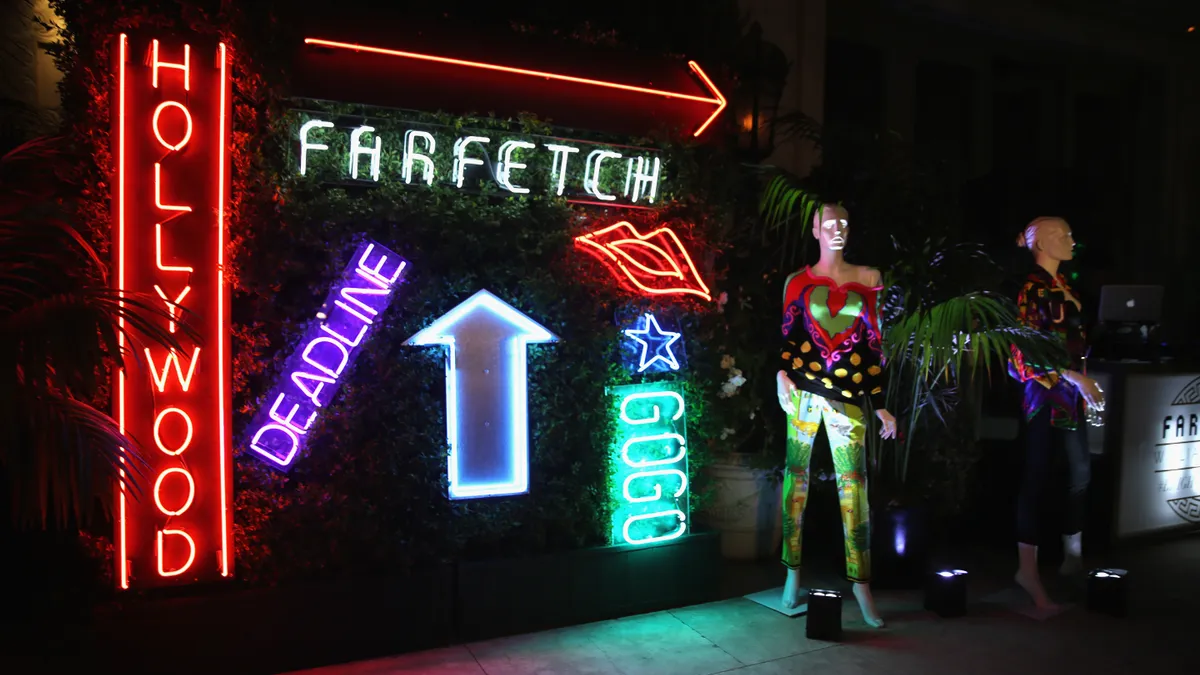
<point>728,389</point>
<point>727,432</point>
<point>737,381</point>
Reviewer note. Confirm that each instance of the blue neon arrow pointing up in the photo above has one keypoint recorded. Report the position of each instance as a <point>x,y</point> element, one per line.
<point>487,420</point>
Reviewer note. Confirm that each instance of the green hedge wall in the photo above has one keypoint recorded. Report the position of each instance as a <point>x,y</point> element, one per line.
<point>370,492</point>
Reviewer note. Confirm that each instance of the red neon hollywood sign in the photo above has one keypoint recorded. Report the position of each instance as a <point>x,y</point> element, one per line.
<point>171,131</point>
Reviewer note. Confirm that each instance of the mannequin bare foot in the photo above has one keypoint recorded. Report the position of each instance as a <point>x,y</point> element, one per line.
<point>1032,584</point>
<point>791,590</point>
<point>866,603</point>
<point>1028,578</point>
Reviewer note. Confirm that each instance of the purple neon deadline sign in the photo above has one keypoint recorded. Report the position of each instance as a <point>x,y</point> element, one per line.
<point>329,347</point>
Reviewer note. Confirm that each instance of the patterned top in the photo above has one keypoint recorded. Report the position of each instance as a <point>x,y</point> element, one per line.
<point>832,345</point>
<point>1043,304</point>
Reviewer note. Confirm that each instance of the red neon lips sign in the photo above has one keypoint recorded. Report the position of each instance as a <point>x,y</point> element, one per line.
<point>656,263</point>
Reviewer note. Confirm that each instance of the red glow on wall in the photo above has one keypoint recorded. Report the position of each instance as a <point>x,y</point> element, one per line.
<point>655,263</point>
<point>716,97</point>
<point>171,135</point>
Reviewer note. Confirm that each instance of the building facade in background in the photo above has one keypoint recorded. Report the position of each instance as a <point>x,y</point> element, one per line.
<point>1090,110</point>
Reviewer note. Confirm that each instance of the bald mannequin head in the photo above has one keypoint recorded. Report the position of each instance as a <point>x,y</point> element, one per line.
<point>831,227</point>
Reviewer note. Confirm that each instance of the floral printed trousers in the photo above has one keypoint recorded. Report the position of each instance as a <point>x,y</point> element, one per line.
<point>846,430</point>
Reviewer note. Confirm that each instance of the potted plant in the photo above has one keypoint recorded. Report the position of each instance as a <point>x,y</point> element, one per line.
<point>61,325</point>
<point>745,469</point>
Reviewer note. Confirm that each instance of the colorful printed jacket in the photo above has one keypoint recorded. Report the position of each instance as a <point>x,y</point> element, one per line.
<point>1043,304</point>
<point>832,345</point>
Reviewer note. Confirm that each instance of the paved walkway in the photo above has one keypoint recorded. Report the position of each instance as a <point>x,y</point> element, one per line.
<point>739,636</point>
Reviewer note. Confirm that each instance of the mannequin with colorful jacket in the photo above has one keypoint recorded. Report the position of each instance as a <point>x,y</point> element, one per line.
<point>832,371</point>
<point>1055,398</point>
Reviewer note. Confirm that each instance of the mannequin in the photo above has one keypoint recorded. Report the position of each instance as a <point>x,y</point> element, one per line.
<point>1054,396</point>
<point>832,365</point>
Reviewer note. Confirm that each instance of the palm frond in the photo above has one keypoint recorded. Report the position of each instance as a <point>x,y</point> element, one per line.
<point>980,324</point>
<point>63,455</point>
<point>797,125</point>
<point>785,211</point>
<point>61,331</point>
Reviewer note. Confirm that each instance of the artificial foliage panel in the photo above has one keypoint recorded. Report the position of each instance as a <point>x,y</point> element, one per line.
<point>649,464</point>
<point>370,494</point>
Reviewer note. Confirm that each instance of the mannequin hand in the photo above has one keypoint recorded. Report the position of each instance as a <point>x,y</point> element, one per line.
<point>1092,393</point>
<point>888,427</point>
<point>785,390</point>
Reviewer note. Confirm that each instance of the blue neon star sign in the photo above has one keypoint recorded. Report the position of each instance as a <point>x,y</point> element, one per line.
<point>655,343</point>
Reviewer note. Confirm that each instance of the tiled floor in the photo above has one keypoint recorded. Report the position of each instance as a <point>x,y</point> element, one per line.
<point>738,636</point>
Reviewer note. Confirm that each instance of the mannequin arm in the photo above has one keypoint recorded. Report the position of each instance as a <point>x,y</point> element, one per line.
<point>875,280</point>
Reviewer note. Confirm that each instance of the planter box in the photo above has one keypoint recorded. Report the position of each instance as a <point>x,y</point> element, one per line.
<point>520,595</point>
<point>747,510</point>
<point>273,630</point>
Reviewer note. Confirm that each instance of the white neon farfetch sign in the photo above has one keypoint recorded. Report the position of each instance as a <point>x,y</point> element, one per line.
<point>461,161</point>
<point>359,156</point>
<point>591,173</point>
<point>487,416</point>
<point>507,165</point>
<point>305,145</point>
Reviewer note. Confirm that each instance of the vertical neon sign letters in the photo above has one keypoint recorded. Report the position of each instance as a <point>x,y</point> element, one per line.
<point>171,116</point>
<point>330,346</point>
<point>487,418</point>
<point>649,479</point>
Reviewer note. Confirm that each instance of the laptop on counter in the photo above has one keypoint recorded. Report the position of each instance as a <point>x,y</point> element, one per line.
<point>1131,304</point>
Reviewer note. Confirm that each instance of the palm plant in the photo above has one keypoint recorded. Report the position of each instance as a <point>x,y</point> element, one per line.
<point>943,331</point>
<point>59,337</point>
<point>942,328</point>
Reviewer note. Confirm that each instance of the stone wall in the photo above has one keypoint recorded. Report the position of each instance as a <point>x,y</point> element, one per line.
<point>28,79</point>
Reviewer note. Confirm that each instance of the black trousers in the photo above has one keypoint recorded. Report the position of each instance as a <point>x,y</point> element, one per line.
<point>1043,443</point>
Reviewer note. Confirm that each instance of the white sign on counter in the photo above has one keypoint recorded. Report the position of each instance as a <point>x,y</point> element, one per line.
<point>1160,466</point>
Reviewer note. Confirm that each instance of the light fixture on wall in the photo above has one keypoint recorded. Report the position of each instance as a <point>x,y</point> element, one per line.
<point>764,69</point>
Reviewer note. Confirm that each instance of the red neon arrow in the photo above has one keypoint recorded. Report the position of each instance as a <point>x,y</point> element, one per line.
<point>718,101</point>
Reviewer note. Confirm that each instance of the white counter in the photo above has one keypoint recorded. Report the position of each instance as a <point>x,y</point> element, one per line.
<point>1155,414</point>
